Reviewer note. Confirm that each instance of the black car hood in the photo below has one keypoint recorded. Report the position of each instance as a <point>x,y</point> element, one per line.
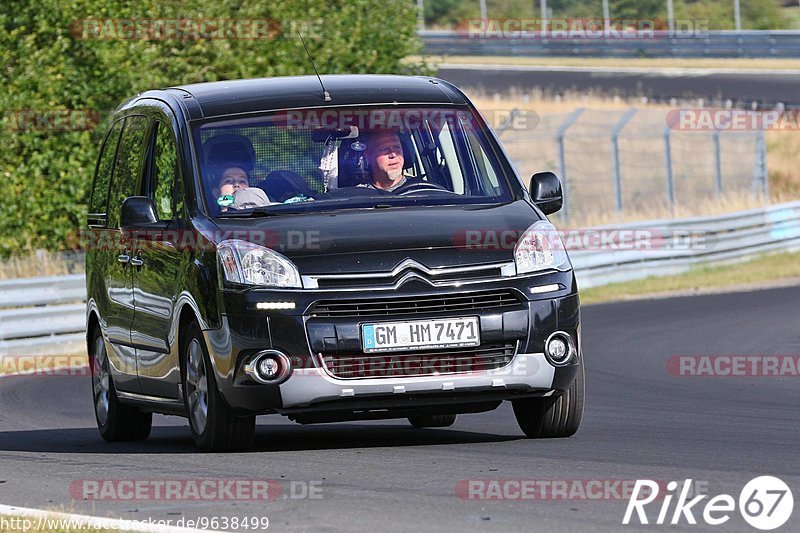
<point>370,240</point>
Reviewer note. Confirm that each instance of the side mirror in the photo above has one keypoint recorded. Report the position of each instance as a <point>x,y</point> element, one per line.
<point>545,190</point>
<point>138,212</point>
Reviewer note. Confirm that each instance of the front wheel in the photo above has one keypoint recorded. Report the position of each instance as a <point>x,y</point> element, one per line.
<point>214,426</point>
<point>115,420</point>
<point>552,416</point>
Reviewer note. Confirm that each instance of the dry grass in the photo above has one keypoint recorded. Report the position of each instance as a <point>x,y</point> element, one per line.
<point>726,203</point>
<point>542,103</point>
<point>665,62</point>
<point>40,263</point>
<point>782,163</point>
<point>745,276</point>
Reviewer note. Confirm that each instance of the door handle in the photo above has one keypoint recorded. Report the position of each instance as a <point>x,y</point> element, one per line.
<point>137,261</point>
<point>124,258</point>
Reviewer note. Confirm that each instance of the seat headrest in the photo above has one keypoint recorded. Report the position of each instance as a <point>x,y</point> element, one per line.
<point>229,150</point>
<point>281,185</point>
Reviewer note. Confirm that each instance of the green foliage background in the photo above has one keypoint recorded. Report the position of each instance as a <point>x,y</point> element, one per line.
<point>45,175</point>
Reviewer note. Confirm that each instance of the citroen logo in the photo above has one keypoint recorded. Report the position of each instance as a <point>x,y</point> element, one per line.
<point>409,264</point>
<point>411,270</point>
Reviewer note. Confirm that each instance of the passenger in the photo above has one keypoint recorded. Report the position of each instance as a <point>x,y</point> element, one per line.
<point>232,179</point>
<point>233,190</point>
<point>384,154</point>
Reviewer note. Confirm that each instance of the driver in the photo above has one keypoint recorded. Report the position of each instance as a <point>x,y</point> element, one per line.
<point>385,157</point>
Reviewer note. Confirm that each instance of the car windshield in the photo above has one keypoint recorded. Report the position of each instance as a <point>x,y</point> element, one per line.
<point>339,158</point>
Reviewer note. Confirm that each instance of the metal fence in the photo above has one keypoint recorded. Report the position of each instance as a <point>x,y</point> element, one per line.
<point>751,43</point>
<point>630,159</point>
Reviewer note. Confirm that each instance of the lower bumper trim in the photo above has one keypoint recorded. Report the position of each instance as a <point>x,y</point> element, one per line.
<point>527,372</point>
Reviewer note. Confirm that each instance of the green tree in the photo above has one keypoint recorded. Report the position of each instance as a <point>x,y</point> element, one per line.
<point>50,62</point>
<point>755,14</point>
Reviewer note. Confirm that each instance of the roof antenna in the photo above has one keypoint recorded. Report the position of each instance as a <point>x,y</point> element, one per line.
<point>325,94</point>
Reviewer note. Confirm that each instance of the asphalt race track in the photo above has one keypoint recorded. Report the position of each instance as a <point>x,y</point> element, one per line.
<point>640,422</point>
<point>742,88</point>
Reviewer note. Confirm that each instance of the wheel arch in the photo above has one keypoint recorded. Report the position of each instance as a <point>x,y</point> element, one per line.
<point>92,322</point>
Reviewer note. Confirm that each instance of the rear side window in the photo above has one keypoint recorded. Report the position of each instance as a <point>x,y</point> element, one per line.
<point>128,166</point>
<point>105,167</point>
<point>166,194</point>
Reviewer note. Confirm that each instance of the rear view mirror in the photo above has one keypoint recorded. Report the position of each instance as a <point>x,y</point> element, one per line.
<point>138,212</point>
<point>545,190</point>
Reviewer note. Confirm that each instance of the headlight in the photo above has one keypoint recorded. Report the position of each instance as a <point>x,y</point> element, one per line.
<point>251,264</point>
<point>540,248</point>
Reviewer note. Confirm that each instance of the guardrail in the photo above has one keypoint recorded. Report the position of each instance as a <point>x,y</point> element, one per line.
<point>43,315</point>
<point>753,43</point>
<point>47,315</point>
<point>675,246</point>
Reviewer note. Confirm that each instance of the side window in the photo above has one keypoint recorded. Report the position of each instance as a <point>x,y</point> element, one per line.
<point>486,173</point>
<point>105,165</point>
<point>164,182</point>
<point>128,166</point>
<point>449,155</point>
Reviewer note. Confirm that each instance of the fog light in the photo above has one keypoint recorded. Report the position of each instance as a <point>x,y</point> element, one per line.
<point>559,348</point>
<point>269,367</point>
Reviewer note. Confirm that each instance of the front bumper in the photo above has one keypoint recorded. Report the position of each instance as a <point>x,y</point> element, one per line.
<point>312,388</point>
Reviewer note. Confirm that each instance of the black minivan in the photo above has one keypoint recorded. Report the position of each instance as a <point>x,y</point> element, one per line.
<point>363,250</point>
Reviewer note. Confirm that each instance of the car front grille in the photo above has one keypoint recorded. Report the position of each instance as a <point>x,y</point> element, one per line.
<point>402,364</point>
<point>366,307</point>
<point>354,282</point>
<point>410,270</point>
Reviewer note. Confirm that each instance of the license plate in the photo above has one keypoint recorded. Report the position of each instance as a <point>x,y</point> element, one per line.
<point>421,334</point>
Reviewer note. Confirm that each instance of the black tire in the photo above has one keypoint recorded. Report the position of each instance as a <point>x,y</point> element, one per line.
<point>214,426</point>
<point>432,421</point>
<point>552,416</point>
<point>115,420</point>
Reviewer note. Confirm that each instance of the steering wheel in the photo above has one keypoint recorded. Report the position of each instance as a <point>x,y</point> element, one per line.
<point>419,186</point>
